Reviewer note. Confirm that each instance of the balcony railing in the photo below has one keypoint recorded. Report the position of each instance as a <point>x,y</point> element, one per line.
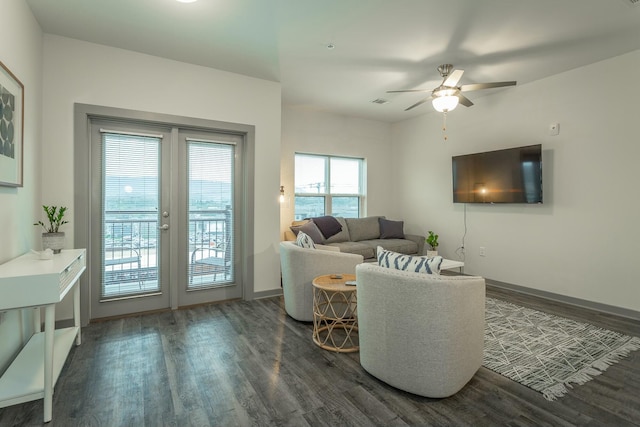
<point>131,256</point>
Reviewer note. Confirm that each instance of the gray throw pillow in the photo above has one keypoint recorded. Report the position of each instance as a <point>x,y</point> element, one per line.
<point>328,225</point>
<point>342,236</point>
<point>391,229</point>
<point>311,229</point>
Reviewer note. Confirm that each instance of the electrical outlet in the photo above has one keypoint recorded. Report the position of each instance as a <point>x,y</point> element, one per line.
<point>483,251</point>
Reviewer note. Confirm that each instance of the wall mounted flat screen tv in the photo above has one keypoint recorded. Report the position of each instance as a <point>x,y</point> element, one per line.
<point>513,175</point>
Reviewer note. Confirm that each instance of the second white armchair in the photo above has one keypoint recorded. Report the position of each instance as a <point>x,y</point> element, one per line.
<point>300,266</point>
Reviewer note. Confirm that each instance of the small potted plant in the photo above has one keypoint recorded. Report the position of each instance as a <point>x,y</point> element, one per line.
<point>53,238</point>
<point>432,240</point>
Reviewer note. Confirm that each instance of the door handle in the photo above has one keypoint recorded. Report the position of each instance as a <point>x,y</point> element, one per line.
<point>164,227</point>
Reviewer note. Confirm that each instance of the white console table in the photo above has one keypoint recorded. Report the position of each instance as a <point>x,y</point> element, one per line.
<point>450,264</point>
<point>29,282</point>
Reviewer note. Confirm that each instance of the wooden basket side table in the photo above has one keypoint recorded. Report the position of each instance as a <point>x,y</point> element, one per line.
<point>335,321</point>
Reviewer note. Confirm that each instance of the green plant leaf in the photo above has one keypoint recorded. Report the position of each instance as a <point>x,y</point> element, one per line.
<point>55,217</point>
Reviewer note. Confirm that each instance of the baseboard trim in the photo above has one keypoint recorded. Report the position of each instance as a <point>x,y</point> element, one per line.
<point>267,294</point>
<point>605,308</point>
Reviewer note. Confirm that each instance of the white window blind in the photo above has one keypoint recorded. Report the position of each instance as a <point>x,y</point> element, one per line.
<point>130,201</point>
<point>210,199</point>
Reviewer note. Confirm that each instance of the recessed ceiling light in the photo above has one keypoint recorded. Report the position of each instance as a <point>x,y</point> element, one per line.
<point>331,46</point>
<point>187,1</point>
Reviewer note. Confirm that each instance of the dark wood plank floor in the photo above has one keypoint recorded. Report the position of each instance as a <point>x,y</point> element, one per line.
<point>247,363</point>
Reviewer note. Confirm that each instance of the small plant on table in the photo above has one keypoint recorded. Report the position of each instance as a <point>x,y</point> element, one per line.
<point>432,240</point>
<point>55,218</point>
<point>52,238</point>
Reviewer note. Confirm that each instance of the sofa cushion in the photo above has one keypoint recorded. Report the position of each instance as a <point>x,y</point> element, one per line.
<point>356,248</point>
<point>391,229</point>
<point>342,236</point>
<point>417,264</point>
<point>363,228</point>
<point>328,225</point>
<point>404,246</point>
<point>304,241</point>
<point>311,229</point>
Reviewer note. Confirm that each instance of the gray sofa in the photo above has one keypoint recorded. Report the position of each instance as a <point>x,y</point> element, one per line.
<point>362,236</point>
<point>418,332</point>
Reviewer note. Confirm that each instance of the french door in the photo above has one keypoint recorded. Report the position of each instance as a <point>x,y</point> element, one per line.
<point>164,230</point>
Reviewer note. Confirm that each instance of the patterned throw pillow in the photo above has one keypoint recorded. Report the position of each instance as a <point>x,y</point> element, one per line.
<point>417,264</point>
<point>304,241</point>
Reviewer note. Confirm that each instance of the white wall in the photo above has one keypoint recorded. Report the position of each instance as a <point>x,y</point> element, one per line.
<point>21,52</point>
<point>316,132</point>
<point>81,72</point>
<point>582,242</point>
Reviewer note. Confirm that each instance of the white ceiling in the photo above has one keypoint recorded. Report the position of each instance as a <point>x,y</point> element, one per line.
<point>380,45</point>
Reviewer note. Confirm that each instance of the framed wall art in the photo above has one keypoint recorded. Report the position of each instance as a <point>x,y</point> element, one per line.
<point>11,128</point>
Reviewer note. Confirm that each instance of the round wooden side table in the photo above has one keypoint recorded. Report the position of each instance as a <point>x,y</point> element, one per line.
<point>335,320</point>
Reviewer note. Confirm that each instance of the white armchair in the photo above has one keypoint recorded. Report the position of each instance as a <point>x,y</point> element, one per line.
<point>300,266</point>
<point>419,332</point>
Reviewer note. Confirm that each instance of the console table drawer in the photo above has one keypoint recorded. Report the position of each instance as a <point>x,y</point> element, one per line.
<point>68,276</point>
<point>28,281</point>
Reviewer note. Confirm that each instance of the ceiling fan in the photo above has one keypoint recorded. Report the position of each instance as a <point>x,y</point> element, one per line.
<point>447,96</point>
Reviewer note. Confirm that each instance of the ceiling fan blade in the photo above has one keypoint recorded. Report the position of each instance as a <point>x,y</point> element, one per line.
<point>453,78</point>
<point>419,103</point>
<point>464,100</point>
<point>478,86</point>
<point>409,90</point>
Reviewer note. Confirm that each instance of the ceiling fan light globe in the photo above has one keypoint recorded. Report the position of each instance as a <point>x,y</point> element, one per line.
<point>445,103</point>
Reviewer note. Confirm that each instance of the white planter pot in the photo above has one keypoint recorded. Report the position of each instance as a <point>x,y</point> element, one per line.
<point>54,241</point>
<point>431,254</point>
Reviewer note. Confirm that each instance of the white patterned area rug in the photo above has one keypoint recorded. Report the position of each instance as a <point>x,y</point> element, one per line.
<point>545,352</point>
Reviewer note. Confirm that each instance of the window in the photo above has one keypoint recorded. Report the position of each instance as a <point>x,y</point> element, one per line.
<point>328,185</point>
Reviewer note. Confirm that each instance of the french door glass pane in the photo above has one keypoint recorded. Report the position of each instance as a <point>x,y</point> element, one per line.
<point>130,203</point>
<point>309,207</point>
<point>346,207</point>
<point>310,174</point>
<point>210,189</point>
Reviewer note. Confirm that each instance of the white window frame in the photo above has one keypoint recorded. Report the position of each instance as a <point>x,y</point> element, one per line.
<point>327,195</point>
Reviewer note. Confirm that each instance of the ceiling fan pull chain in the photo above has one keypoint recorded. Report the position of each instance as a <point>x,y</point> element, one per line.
<point>444,125</point>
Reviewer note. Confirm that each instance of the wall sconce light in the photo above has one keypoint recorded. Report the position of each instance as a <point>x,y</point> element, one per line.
<point>282,194</point>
